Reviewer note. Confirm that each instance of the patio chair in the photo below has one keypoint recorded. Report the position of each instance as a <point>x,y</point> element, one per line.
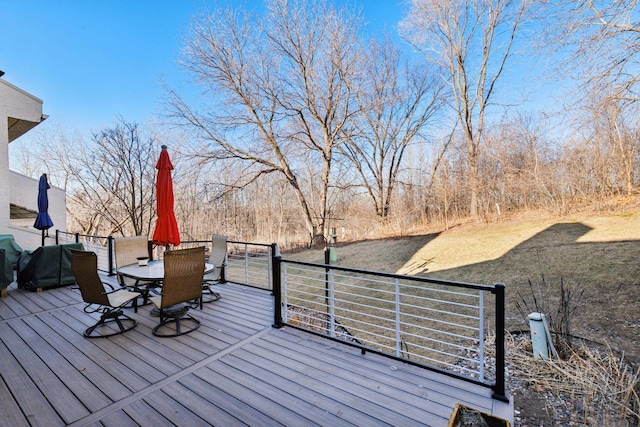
<point>181,290</point>
<point>127,250</point>
<point>84,265</point>
<point>218,258</point>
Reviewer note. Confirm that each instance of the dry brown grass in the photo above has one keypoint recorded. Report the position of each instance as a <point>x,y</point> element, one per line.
<point>598,253</point>
<point>589,387</point>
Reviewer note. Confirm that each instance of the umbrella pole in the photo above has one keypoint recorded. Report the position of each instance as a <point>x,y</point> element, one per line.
<point>42,237</point>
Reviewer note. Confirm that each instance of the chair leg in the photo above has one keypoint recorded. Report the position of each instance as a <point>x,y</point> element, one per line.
<point>111,316</point>
<point>144,290</point>
<point>179,315</point>
<point>206,290</point>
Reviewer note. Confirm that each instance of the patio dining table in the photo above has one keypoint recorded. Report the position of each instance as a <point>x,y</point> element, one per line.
<point>153,271</point>
<point>151,275</point>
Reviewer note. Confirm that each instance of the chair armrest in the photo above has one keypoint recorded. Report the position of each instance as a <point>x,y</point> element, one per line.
<point>113,290</point>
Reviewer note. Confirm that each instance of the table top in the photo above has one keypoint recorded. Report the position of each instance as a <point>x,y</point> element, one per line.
<point>154,270</point>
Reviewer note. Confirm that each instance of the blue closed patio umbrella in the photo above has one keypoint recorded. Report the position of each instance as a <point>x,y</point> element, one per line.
<point>43,220</point>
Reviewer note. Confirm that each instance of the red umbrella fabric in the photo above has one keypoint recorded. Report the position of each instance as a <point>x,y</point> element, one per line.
<point>166,232</point>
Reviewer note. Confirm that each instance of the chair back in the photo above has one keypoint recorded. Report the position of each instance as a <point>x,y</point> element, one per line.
<point>183,276</point>
<point>84,265</point>
<point>218,256</point>
<point>127,250</point>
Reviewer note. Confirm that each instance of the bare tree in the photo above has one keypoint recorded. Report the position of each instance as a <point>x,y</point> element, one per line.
<point>602,41</point>
<point>472,39</point>
<point>602,44</point>
<point>396,103</point>
<point>109,181</point>
<point>615,139</point>
<point>281,90</point>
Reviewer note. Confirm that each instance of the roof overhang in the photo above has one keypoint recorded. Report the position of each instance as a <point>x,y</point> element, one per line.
<point>19,212</point>
<point>18,127</point>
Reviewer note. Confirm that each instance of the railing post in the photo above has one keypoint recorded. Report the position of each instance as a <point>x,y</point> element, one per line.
<point>398,335</point>
<point>77,237</point>
<point>481,333</point>
<point>110,252</point>
<point>276,260</point>
<point>327,261</point>
<point>331,307</point>
<point>274,247</point>
<point>57,236</point>
<point>246,264</point>
<point>499,388</point>
<point>223,269</point>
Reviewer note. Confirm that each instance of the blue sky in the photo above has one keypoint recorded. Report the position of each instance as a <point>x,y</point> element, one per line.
<point>92,60</point>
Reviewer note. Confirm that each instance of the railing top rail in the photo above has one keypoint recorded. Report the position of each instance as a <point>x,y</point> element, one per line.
<point>488,288</point>
<point>83,235</point>
<point>266,245</point>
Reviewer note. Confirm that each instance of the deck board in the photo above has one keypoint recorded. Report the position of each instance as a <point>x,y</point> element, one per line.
<point>340,385</point>
<point>223,405</point>
<point>79,363</point>
<point>305,400</point>
<point>56,392</point>
<point>116,419</point>
<point>15,307</point>
<point>144,414</point>
<point>118,368</point>
<point>132,371</point>
<point>382,371</point>
<point>206,407</point>
<point>247,389</point>
<point>87,394</point>
<point>22,392</point>
<point>173,411</point>
<point>234,370</point>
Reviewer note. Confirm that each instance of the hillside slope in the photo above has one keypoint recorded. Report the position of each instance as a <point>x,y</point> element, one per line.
<point>596,255</point>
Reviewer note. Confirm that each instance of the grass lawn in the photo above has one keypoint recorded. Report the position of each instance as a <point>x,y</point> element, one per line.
<point>599,255</point>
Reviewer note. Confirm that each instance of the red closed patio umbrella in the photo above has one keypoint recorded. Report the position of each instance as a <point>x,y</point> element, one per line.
<point>166,232</point>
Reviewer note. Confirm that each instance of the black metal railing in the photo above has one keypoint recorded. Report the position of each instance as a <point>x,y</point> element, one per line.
<point>247,263</point>
<point>101,245</point>
<point>436,324</point>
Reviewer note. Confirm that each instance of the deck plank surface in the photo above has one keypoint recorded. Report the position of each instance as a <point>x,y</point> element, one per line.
<point>234,370</point>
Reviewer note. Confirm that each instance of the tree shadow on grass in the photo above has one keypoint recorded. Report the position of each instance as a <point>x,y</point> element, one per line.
<point>607,272</point>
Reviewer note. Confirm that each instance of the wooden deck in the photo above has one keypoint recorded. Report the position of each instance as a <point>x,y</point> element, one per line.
<point>234,370</point>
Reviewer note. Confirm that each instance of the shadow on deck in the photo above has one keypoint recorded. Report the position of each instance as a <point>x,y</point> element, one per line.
<point>234,370</point>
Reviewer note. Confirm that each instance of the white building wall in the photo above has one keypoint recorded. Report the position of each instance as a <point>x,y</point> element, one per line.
<point>24,192</point>
<point>4,156</point>
<point>16,188</point>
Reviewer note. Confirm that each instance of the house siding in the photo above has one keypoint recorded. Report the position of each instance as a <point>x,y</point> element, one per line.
<point>16,188</point>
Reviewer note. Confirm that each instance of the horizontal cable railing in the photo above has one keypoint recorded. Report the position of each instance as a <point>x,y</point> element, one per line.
<point>101,245</point>
<point>247,263</point>
<point>434,323</point>
<point>250,264</point>
<point>440,325</point>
